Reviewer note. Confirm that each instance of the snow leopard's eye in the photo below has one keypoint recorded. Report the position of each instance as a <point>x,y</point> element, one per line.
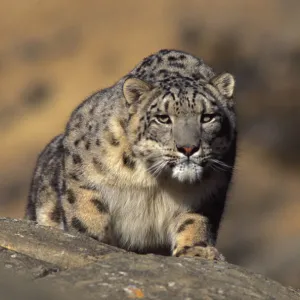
<point>164,119</point>
<point>205,118</point>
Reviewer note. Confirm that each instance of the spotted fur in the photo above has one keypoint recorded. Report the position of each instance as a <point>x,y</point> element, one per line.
<point>145,164</point>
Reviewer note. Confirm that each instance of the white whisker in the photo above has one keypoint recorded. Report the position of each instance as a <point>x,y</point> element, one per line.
<point>158,167</point>
<point>219,165</point>
<point>154,166</point>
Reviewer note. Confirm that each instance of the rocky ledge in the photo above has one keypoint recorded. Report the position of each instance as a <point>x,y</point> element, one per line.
<point>38,262</point>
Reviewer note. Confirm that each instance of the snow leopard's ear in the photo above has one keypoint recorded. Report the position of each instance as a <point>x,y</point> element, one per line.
<point>225,84</point>
<point>134,88</point>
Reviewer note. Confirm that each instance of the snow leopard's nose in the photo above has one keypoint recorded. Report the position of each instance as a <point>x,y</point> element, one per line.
<point>188,150</point>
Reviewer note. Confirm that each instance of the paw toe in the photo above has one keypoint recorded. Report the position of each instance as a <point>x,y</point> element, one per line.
<point>203,251</point>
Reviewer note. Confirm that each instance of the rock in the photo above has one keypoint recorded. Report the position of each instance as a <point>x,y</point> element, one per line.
<point>121,276</point>
<point>51,245</point>
<point>18,288</point>
<point>21,264</point>
<point>69,262</point>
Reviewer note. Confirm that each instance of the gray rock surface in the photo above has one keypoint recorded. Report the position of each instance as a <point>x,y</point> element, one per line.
<point>18,288</point>
<point>24,265</point>
<point>66,262</point>
<point>66,250</point>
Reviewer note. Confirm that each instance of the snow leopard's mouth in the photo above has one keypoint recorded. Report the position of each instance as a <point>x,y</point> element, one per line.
<point>190,161</point>
<point>183,169</point>
<point>187,171</point>
<point>190,170</point>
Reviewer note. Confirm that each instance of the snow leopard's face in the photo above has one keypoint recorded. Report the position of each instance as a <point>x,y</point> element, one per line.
<point>184,129</point>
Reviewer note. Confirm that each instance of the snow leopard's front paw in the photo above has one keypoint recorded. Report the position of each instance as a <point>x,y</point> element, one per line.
<point>200,250</point>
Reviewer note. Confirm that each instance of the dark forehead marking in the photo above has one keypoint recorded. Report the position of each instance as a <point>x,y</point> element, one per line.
<point>168,93</point>
<point>177,65</point>
<point>209,92</point>
<point>167,105</point>
<point>172,95</point>
<point>172,58</point>
<point>194,95</point>
<point>174,79</point>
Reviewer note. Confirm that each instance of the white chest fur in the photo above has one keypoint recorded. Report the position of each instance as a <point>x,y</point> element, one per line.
<point>144,218</point>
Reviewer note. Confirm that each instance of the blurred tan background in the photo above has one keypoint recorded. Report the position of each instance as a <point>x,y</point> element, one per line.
<point>55,53</point>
